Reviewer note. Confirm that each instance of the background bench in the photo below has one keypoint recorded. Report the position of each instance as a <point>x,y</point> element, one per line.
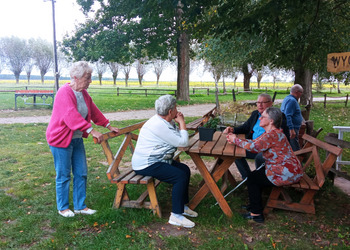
<point>43,94</point>
<point>280,196</point>
<point>194,125</point>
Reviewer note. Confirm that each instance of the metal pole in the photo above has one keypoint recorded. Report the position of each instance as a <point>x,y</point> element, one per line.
<point>55,47</point>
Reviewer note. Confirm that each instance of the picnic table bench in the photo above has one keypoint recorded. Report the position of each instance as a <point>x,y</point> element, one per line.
<point>43,94</point>
<point>194,125</point>
<point>280,197</point>
<point>123,179</point>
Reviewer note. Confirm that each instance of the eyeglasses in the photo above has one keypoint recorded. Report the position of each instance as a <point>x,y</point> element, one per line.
<point>257,103</point>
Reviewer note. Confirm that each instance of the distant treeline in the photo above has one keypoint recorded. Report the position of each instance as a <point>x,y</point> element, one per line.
<point>37,77</point>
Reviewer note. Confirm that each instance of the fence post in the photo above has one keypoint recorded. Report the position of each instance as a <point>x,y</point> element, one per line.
<point>324,103</point>
<point>117,91</point>
<point>146,92</point>
<point>193,91</point>
<point>175,92</point>
<point>207,91</point>
<point>233,95</point>
<point>274,96</point>
<point>346,100</point>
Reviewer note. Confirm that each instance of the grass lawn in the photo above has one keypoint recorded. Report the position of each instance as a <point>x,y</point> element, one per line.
<point>29,219</point>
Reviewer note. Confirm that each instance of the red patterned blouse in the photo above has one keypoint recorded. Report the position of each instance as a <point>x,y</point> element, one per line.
<point>282,166</point>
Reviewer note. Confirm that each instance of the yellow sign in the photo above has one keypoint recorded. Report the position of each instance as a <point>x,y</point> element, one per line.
<point>338,62</point>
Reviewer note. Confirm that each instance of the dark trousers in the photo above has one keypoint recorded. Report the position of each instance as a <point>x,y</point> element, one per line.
<point>257,180</point>
<point>177,174</point>
<point>242,164</point>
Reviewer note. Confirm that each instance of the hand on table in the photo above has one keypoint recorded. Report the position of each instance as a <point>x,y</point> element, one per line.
<point>231,138</point>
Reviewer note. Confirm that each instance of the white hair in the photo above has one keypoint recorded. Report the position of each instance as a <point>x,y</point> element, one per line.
<point>296,88</point>
<point>79,69</point>
<point>165,103</point>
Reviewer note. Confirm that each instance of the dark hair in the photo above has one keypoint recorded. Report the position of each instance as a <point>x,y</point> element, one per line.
<point>275,115</point>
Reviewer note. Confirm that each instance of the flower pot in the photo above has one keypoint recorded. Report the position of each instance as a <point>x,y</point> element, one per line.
<point>206,134</point>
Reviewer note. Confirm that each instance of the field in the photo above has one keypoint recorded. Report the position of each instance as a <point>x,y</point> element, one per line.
<point>29,219</point>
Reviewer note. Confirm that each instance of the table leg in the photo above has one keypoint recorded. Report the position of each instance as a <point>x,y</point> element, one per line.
<point>340,137</point>
<point>211,183</point>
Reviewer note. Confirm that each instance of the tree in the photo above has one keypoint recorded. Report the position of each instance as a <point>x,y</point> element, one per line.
<point>158,67</point>
<point>15,52</point>
<point>28,67</point>
<point>141,69</point>
<point>114,67</point>
<point>126,69</point>
<point>101,68</point>
<point>42,55</point>
<point>158,27</point>
<point>298,34</point>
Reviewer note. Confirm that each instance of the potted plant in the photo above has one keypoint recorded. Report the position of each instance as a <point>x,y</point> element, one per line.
<point>207,131</point>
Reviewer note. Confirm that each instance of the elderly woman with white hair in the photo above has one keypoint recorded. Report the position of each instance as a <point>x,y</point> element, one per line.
<point>72,113</point>
<point>157,142</point>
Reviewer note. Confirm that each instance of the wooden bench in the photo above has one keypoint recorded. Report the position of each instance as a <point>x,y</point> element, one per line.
<point>43,94</point>
<point>194,125</point>
<point>280,198</point>
<point>114,175</point>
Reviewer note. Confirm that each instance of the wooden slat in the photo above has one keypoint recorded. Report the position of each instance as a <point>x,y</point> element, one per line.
<point>146,180</point>
<point>122,131</point>
<point>136,179</point>
<point>240,152</point>
<point>121,176</point>
<point>332,149</point>
<point>220,145</point>
<point>336,141</point>
<point>209,145</point>
<point>318,167</point>
<point>127,178</point>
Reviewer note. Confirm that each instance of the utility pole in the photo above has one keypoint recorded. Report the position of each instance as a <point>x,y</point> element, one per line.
<point>54,46</point>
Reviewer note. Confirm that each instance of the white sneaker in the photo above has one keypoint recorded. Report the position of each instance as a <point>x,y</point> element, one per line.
<point>180,220</point>
<point>189,212</point>
<point>88,211</point>
<point>66,214</point>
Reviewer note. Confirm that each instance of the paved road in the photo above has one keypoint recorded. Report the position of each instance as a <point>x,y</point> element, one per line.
<point>188,111</point>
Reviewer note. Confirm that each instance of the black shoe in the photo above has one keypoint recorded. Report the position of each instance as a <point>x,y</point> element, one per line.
<point>258,218</point>
<point>246,207</point>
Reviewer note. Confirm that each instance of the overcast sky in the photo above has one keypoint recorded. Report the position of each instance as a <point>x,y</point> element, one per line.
<point>33,19</point>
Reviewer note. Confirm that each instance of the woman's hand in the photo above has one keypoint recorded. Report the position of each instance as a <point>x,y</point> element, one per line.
<point>228,130</point>
<point>97,135</point>
<point>180,119</point>
<point>114,129</point>
<point>231,138</point>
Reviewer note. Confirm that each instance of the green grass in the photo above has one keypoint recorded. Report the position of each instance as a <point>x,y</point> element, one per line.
<point>29,219</point>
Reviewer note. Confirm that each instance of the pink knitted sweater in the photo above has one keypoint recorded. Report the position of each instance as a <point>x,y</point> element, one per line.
<point>65,118</point>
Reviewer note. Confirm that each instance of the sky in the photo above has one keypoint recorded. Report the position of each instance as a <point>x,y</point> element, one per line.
<point>33,19</point>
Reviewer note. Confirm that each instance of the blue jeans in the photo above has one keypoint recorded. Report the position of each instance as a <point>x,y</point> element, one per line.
<point>177,174</point>
<point>295,141</point>
<point>69,159</point>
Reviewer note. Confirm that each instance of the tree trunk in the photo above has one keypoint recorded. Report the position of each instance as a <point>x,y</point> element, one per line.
<point>42,78</point>
<point>183,67</point>
<point>28,78</point>
<point>126,80</point>
<point>158,76</point>
<point>304,78</point>
<point>100,78</point>
<point>114,80</point>
<point>338,87</point>
<point>223,85</point>
<point>246,77</point>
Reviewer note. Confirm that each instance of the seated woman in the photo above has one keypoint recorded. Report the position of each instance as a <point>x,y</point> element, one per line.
<point>157,142</point>
<point>282,166</point>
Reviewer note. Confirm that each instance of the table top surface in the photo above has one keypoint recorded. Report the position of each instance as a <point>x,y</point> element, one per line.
<point>217,147</point>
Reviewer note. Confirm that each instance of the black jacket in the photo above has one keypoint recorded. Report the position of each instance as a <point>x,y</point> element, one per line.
<point>247,127</point>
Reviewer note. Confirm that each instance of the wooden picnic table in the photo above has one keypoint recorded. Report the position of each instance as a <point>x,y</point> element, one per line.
<point>225,154</point>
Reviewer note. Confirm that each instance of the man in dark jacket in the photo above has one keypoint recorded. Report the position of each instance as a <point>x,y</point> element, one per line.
<point>252,130</point>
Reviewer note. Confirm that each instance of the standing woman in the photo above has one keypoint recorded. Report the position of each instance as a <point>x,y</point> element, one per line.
<point>282,166</point>
<point>71,118</point>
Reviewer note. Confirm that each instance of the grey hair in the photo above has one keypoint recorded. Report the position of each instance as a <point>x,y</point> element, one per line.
<point>296,88</point>
<point>266,96</point>
<point>79,69</point>
<point>164,104</point>
<point>275,114</point>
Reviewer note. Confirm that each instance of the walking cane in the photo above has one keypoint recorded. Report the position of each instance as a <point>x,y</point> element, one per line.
<point>246,178</point>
